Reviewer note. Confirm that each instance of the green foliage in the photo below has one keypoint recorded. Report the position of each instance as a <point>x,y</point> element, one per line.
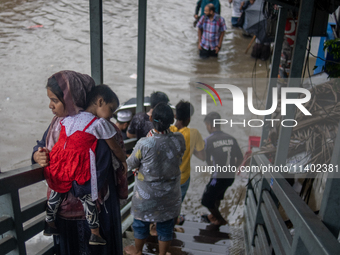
<point>333,47</point>
<point>331,67</point>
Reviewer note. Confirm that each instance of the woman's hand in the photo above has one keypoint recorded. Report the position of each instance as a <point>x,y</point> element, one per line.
<point>41,156</point>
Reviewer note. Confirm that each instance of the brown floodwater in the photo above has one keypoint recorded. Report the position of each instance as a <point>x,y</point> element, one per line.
<point>39,38</point>
<point>29,56</point>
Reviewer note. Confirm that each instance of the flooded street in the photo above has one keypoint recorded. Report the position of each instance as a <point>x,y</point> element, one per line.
<point>30,55</point>
<point>39,38</point>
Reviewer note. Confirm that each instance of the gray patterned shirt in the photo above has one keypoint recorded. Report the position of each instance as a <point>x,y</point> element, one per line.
<point>157,192</point>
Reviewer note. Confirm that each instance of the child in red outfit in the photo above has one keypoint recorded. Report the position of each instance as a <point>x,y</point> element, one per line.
<point>73,157</point>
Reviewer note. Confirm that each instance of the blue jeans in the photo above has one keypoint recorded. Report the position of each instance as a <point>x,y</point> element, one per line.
<point>184,188</point>
<point>141,229</point>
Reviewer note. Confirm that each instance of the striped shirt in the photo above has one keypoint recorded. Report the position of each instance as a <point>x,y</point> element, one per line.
<point>211,30</point>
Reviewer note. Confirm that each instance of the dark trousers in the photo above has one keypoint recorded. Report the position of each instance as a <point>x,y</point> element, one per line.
<point>214,191</point>
<point>208,53</point>
<point>89,206</point>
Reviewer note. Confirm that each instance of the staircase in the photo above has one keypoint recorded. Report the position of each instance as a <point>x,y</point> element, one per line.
<point>197,239</point>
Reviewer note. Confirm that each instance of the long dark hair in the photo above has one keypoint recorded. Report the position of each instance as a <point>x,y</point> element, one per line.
<point>162,116</point>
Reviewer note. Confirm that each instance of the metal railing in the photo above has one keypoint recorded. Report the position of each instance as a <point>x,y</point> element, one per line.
<point>19,224</point>
<point>265,229</point>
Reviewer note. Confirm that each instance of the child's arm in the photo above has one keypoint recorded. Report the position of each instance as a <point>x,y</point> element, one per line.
<point>200,154</point>
<point>116,149</point>
<point>199,150</point>
<point>103,129</point>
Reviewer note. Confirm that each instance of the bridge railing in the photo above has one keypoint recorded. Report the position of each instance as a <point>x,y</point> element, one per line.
<point>19,224</point>
<point>265,229</point>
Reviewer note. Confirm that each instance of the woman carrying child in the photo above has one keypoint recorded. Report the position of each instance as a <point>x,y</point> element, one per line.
<point>157,192</point>
<point>73,159</point>
<point>67,92</point>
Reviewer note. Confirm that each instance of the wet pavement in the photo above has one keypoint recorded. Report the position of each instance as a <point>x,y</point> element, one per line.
<point>39,38</point>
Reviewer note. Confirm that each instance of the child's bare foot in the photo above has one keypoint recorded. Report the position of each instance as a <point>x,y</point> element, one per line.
<point>131,249</point>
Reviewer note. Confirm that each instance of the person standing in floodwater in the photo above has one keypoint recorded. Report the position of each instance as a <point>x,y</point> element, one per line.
<point>211,30</point>
<point>236,13</point>
<point>201,5</point>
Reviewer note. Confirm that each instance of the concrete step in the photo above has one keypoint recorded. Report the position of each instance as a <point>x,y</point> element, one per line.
<point>199,225</point>
<point>197,239</point>
<point>129,234</point>
<point>192,245</point>
<point>208,231</point>
<point>203,239</point>
<point>152,248</point>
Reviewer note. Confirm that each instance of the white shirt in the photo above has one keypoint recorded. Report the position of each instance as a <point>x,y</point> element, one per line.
<point>236,8</point>
<point>100,128</point>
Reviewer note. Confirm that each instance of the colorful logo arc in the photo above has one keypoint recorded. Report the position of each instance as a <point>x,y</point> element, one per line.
<point>209,93</point>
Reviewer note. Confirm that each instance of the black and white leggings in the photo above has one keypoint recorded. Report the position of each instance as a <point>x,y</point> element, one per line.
<point>90,208</point>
